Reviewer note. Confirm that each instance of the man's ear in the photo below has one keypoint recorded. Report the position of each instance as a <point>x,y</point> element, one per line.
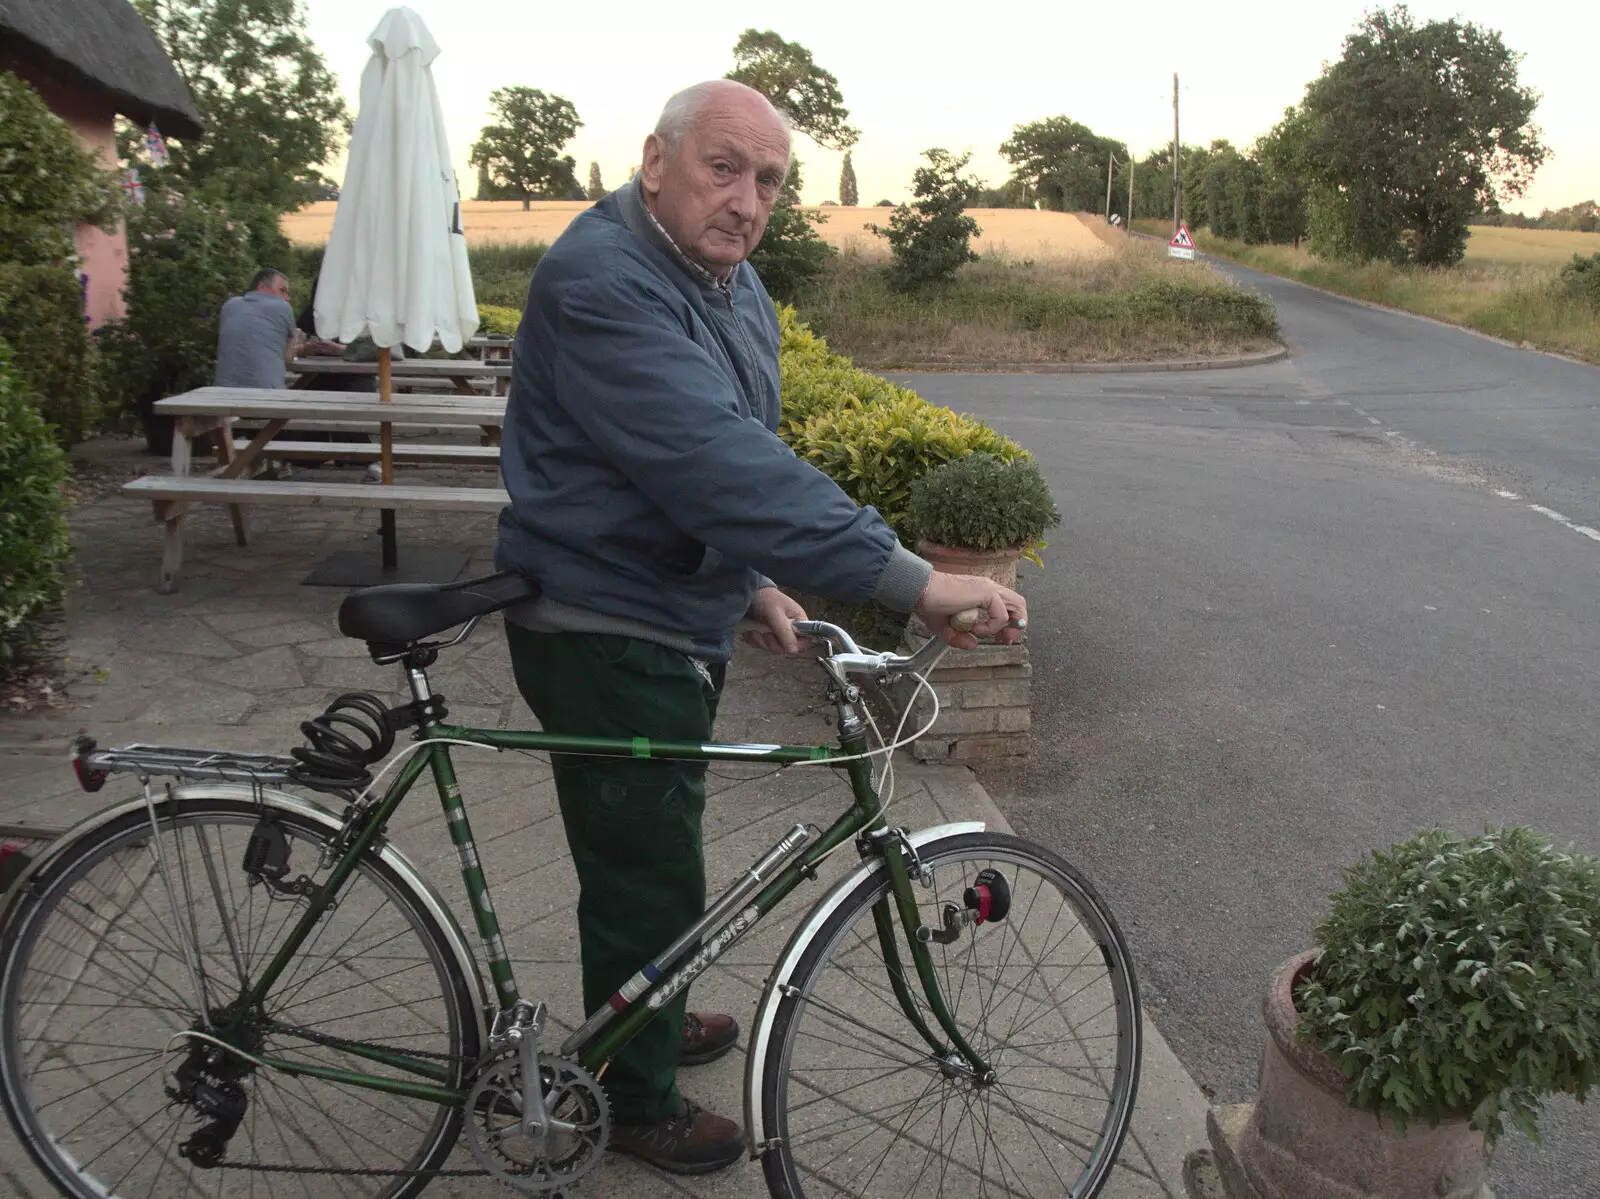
<point>654,165</point>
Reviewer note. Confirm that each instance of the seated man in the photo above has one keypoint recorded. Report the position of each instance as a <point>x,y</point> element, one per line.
<point>256,336</point>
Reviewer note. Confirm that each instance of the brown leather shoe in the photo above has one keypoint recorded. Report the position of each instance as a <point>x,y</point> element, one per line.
<point>696,1142</point>
<point>706,1037</point>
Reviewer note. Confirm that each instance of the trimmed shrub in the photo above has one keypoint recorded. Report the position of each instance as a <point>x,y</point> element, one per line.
<point>1461,977</point>
<point>34,542</point>
<point>868,435</point>
<point>41,318</point>
<point>876,451</point>
<point>492,318</point>
<point>981,503</point>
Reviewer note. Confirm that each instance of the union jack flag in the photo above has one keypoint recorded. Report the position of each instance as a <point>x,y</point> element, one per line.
<point>156,144</point>
<point>131,186</point>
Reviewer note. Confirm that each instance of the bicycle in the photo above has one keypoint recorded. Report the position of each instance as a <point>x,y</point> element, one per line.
<point>220,982</point>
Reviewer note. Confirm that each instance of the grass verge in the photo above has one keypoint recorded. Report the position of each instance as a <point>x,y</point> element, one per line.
<point>1522,302</point>
<point>1129,306</point>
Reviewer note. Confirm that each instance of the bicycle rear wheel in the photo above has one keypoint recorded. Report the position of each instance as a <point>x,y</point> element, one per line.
<point>855,1101</point>
<point>107,957</point>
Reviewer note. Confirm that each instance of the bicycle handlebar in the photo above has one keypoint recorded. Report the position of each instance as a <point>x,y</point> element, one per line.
<point>851,659</point>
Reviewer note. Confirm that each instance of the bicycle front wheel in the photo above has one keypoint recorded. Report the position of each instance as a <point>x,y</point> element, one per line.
<point>134,937</point>
<point>857,1103</point>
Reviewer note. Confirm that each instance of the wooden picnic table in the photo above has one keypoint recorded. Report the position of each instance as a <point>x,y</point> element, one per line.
<point>491,347</point>
<point>459,371</point>
<point>209,412</point>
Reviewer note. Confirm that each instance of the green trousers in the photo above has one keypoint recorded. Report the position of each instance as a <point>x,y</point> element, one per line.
<point>633,826</point>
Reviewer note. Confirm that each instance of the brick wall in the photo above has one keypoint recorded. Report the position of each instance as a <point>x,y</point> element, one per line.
<point>986,700</point>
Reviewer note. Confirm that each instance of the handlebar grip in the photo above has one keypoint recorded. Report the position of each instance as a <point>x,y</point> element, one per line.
<point>964,622</point>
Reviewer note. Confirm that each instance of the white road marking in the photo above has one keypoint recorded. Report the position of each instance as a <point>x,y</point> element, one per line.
<point>1508,495</point>
<point>1591,534</point>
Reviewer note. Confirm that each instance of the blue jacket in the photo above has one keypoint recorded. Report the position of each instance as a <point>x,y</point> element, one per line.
<point>649,490</point>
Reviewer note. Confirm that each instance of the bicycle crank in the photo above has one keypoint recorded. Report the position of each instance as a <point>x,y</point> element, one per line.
<point>573,1133</point>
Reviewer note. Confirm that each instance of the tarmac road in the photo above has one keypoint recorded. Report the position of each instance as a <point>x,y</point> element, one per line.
<point>1295,612</point>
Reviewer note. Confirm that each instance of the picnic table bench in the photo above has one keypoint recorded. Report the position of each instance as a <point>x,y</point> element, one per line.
<point>460,372</point>
<point>209,412</point>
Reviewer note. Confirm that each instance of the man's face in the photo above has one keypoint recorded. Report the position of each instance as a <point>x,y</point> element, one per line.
<point>714,191</point>
<point>278,287</point>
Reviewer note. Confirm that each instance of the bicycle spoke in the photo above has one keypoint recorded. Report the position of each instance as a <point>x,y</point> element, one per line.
<point>1035,994</point>
<point>92,947</point>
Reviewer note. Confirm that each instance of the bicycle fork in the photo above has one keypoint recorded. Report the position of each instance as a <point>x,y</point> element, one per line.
<point>891,846</point>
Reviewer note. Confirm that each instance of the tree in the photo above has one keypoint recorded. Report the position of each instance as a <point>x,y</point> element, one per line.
<point>521,148</point>
<point>596,189</point>
<point>1013,193</point>
<point>1062,162</point>
<point>1414,130</point>
<point>273,112</point>
<point>1286,170</point>
<point>931,239</point>
<point>849,195</point>
<point>785,73</point>
<point>790,253</point>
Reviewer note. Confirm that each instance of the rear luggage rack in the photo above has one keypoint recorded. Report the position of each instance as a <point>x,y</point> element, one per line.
<point>93,764</point>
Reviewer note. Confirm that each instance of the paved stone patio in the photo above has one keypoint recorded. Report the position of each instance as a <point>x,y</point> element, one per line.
<point>243,652</point>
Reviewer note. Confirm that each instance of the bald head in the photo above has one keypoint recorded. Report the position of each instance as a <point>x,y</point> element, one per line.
<point>712,171</point>
<point>683,110</point>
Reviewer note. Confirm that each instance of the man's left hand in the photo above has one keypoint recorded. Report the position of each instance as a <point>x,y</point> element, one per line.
<point>777,611</point>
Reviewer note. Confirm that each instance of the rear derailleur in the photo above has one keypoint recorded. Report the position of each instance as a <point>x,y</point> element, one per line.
<point>208,1081</point>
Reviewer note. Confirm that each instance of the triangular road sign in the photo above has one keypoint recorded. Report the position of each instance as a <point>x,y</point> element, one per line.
<point>1182,238</point>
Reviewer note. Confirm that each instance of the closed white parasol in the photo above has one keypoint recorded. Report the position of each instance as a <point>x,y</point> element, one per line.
<point>396,268</point>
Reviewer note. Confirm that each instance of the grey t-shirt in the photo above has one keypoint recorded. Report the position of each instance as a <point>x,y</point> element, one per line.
<point>255,330</point>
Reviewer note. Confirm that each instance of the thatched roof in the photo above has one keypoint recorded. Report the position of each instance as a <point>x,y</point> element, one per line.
<point>104,45</point>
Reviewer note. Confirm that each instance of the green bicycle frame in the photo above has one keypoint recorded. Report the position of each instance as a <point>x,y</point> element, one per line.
<point>862,818</point>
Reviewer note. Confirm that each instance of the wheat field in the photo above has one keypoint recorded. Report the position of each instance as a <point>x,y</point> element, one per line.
<point>1491,245</point>
<point>1017,233</point>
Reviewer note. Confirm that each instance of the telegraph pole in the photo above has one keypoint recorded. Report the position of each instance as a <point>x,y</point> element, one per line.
<point>1132,162</point>
<point>1177,175</point>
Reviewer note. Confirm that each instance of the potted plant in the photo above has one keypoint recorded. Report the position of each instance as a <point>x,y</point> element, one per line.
<point>1455,984</point>
<point>978,515</point>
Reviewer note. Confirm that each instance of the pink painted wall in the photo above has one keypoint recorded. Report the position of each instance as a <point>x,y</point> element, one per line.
<point>103,257</point>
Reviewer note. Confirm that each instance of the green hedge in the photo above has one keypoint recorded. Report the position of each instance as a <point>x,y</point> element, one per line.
<point>41,317</point>
<point>868,435</point>
<point>34,544</point>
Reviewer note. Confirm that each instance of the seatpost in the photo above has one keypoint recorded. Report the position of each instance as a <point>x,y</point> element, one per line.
<point>417,677</point>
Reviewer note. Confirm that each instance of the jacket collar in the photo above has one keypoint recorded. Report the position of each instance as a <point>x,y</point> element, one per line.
<point>637,216</point>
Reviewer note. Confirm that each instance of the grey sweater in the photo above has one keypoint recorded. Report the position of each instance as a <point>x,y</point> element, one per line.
<point>650,493</point>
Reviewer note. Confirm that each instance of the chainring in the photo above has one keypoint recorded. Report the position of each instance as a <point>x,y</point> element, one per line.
<point>579,1115</point>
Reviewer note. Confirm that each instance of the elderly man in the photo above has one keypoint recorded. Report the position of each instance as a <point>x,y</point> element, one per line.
<point>655,504</point>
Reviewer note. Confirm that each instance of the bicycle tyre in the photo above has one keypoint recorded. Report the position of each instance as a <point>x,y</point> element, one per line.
<point>111,939</point>
<point>805,1159</point>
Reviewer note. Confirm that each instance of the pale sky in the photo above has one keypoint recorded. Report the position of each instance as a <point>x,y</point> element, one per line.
<point>955,75</point>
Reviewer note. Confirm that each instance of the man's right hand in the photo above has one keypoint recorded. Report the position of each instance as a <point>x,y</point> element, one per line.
<point>945,595</point>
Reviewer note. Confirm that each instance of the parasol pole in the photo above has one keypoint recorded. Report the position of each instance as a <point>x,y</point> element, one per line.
<point>386,458</point>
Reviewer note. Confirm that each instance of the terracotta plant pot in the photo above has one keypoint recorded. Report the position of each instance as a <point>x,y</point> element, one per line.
<point>1304,1141</point>
<point>999,565</point>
